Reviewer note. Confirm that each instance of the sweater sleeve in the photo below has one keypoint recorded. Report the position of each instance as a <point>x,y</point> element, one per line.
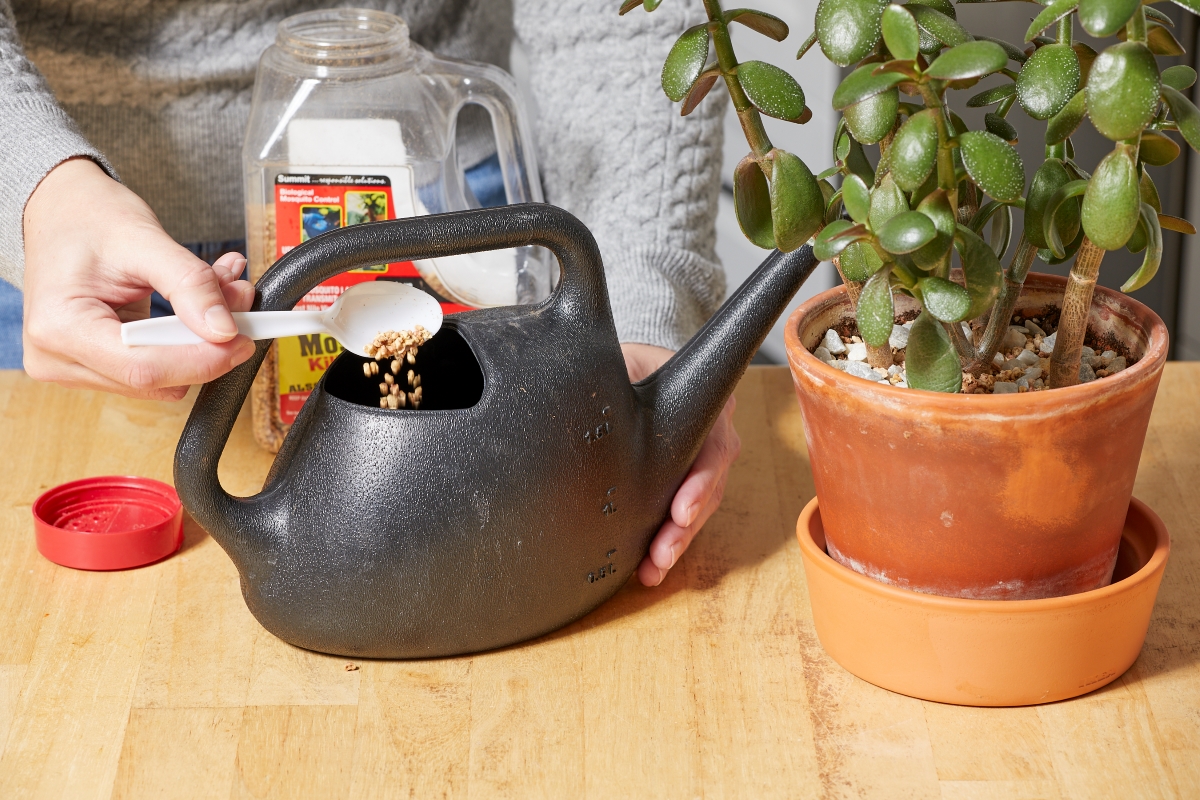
<point>615,152</point>
<point>36,135</point>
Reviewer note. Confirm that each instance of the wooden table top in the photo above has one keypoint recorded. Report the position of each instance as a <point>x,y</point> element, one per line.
<point>158,682</point>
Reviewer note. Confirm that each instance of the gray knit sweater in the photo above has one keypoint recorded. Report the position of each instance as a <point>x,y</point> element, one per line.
<point>158,92</point>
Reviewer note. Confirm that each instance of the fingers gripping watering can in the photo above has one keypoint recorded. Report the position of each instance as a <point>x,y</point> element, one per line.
<point>521,495</point>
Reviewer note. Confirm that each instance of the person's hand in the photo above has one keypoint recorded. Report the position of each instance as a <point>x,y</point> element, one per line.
<point>702,489</point>
<point>94,251</point>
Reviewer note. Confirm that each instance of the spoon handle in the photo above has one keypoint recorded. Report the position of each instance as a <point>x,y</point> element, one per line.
<point>255,324</point>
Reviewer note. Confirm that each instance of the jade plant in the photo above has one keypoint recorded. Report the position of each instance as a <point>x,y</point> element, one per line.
<point>938,194</point>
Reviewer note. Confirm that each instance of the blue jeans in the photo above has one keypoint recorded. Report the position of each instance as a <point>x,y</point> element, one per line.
<point>484,179</point>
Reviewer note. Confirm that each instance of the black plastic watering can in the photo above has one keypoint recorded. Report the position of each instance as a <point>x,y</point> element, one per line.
<point>522,494</point>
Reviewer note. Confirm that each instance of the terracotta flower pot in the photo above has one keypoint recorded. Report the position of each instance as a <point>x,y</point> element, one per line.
<point>1005,497</point>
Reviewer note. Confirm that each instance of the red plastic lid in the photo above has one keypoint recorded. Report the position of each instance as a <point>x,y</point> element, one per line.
<point>110,522</point>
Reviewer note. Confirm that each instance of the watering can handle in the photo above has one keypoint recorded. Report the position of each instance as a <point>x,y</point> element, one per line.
<point>581,297</point>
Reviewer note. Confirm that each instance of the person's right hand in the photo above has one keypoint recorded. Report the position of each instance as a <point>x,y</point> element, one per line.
<point>94,251</point>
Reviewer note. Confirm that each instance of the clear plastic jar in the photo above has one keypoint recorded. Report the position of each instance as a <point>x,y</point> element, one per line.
<point>353,122</point>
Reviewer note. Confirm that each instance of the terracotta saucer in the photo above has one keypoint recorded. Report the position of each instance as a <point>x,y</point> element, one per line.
<point>986,652</point>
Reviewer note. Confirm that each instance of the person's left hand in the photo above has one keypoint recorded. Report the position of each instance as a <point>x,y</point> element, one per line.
<point>702,489</point>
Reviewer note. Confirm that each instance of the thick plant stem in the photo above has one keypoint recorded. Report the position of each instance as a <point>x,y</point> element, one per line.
<point>752,126</point>
<point>876,356</point>
<point>970,204</point>
<point>1072,322</point>
<point>1136,27</point>
<point>962,345</point>
<point>1002,311</point>
<point>945,158</point>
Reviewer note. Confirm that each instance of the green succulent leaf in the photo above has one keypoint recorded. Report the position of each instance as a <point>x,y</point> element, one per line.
<point>685,62</point>
<point>1137,242</point>
<point>936,206</point>
<point>1001,127</point>
<point>1049,15</point>
<point>848,30</point>
<point>982,271</point>
<point>940,26</point>
<point>1014,53</point>
<point>841,147</point>
<point>1103,18</point>
<point>1112,202</point>
<point>969,60</point>
<point>772,90</point>
<point>1162,42</point>
<point>699,90</point>
<point>859,261</point>
<point>1051,176</point>
<point>1149,192</point>
<point>808,43</point>
<point>876,312</point>
<point>1086,56</point>
<point>629,5</point>
<point>1176,224</point>
<point>906,68</point>
<point>992,96</point>
<point>1123,90</point>
<point>1069,251</point>
<point>993,164</point>
<point>887,201</point>
<point>1148,222</point>
<point>872,119</point>
<point>1157,150</point>
<point>797,204</point>
<point>1180,77</point>
<point>1185,114</point>
<point>1153,13</point>
<point>906,232</point>
<point>900,33</point>
<point>768,25</point>
<point>856,197</point>
<point>1050,232</point>
<point>927,188</point>
<point>1001,233</point>
<point>863,83</point>
<point>914,150</point>
<point>752,203</point>
<point>1067,120</point>
<point>945,300</point>
<point>857,163</point>
<point>1049,79</point>
<point>836,237</point>
<point>930,362</point>
<point>833,206</point>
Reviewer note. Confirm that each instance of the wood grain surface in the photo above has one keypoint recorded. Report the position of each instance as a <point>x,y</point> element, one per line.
<point>157,682</point>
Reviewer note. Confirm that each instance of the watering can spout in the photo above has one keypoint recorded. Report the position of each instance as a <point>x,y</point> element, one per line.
<point>689,391</point>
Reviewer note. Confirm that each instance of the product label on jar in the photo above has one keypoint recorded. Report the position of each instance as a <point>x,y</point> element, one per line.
<point>307,205</point>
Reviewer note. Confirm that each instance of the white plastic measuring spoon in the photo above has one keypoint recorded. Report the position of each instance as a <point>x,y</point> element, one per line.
<point>358,315</point>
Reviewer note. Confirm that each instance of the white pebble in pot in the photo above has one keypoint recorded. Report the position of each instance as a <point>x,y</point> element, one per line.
<point>833,343</point>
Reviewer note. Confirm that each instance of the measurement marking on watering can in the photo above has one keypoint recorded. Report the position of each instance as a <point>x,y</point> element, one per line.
<point>604,571</point>
<point>600,431</point>
<point>610,506</point>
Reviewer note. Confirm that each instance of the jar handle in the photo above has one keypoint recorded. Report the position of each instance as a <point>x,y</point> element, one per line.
<point>496,91</point>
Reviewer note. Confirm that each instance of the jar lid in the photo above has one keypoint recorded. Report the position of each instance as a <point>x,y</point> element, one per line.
<point>109,522</point>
